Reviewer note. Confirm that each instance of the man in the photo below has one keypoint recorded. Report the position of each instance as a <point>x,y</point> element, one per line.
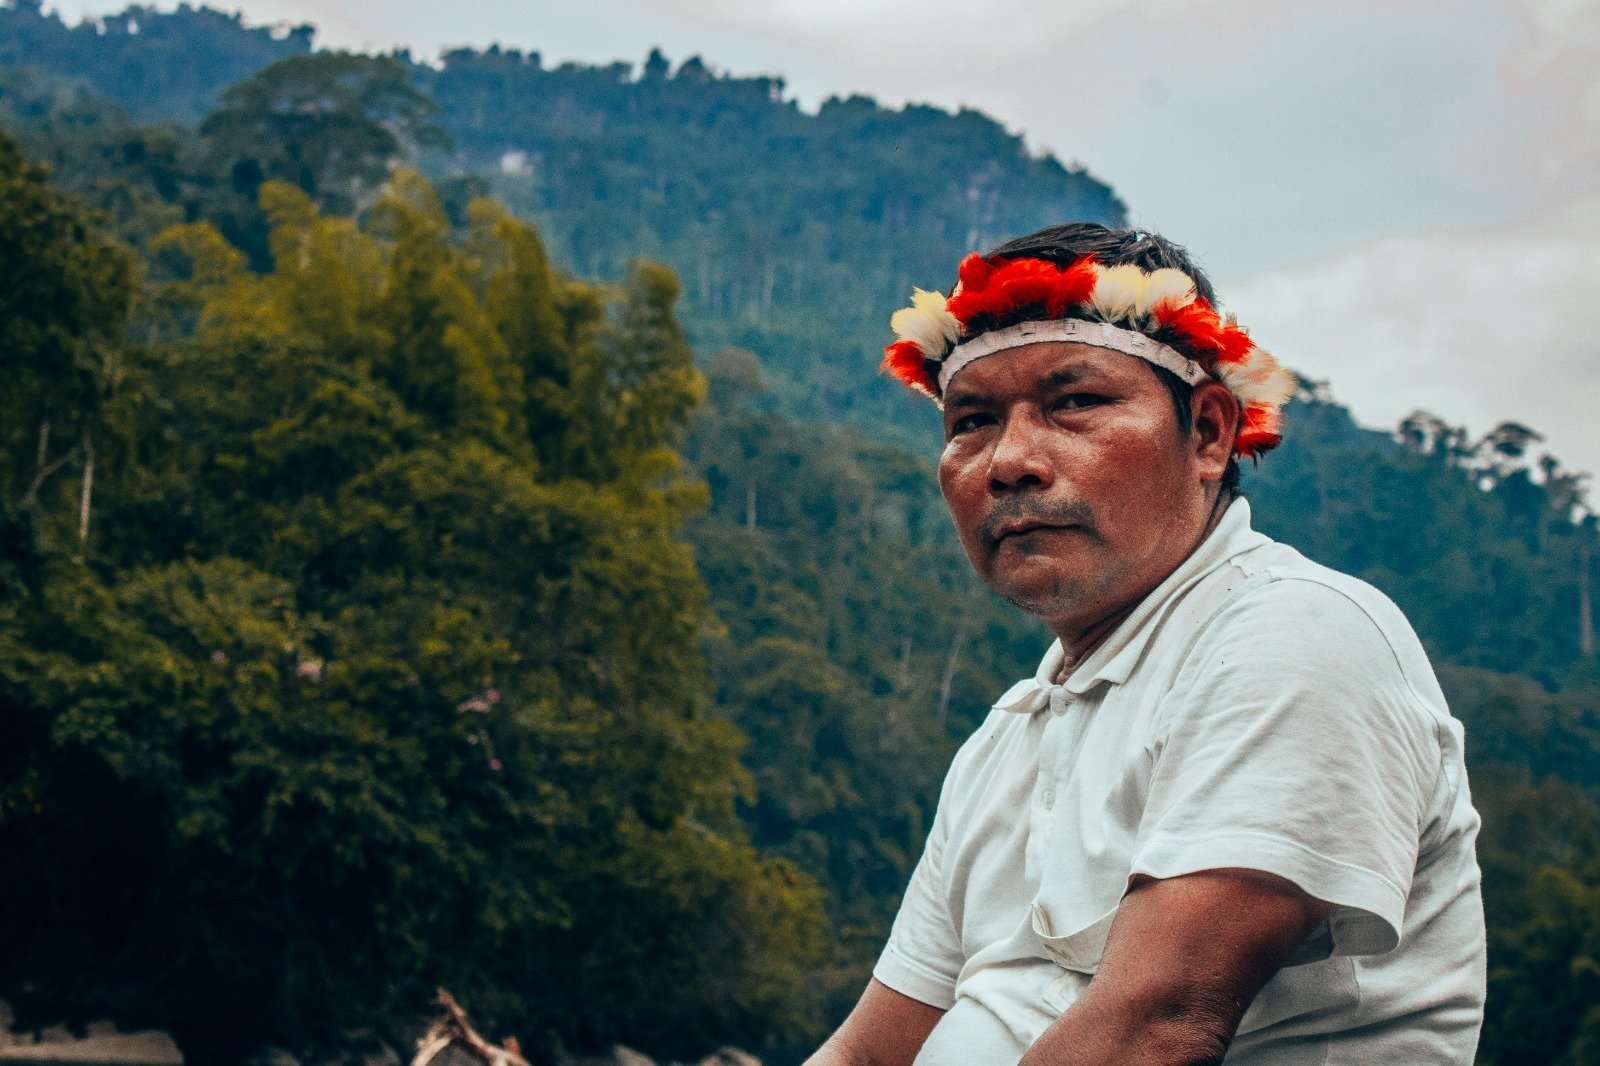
<point>1228,818</point>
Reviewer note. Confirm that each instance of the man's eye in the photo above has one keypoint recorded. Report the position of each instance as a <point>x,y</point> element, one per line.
<point>969,422</point>
<point>1077,400</point>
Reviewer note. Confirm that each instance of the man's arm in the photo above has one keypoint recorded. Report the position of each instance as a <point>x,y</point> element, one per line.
<point>884,1029</point>
<point>1184,958</point>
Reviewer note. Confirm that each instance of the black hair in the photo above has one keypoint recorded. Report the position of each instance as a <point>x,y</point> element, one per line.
<point>1065,244</point>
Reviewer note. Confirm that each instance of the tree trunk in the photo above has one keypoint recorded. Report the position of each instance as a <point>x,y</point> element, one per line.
<point>88,487</point>
<point>40,469</point>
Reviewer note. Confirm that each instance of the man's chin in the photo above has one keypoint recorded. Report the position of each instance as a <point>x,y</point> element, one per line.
<point>1043,593</point>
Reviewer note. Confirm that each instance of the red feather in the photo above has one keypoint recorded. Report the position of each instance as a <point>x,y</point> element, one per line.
<point>1073,287</point>
<point>1235,345</point>
<point>1002,288</point>
<point>1260,432</point>
<point>974,271</point>
<point>1197,323</point>
<point>1025,289</point>
<point>968,304</point>
<point>904,362</point>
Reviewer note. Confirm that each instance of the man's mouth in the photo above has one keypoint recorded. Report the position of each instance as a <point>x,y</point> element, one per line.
<point>1016,518</point>
<point>1017,529</point>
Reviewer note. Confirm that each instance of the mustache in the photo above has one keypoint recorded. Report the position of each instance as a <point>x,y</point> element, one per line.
<point>1030,509</point>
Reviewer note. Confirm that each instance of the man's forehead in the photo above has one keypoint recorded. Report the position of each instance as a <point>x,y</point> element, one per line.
<point>1046,364</point>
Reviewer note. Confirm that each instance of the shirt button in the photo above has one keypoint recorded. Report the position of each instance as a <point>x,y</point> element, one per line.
<point>1049,798</point>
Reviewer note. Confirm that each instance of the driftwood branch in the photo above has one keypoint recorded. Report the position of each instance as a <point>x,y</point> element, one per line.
<point>454,1028</point>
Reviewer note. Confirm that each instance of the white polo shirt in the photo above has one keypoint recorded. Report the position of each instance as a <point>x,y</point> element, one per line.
<point>1256,710</point>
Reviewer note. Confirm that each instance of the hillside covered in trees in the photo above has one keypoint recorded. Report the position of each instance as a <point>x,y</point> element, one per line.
<point>789,230</point>
<point>407,581</point>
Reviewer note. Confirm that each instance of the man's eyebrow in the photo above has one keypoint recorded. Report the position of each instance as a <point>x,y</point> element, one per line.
<point>1069,375</point>
<point>965,398</point>
<point>1072,374</point>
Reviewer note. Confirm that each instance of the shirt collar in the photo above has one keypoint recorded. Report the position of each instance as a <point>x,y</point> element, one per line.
<point>1115,657</point>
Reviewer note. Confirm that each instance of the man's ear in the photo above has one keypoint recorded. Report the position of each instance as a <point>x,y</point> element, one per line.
<point>1217,417</point>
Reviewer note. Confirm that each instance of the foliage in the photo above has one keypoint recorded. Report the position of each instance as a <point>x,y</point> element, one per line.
<point>797,233</point>
<point>162,65</point>
<point>64,296</point>
<point>330,123</point>
<point>367,682</point>
<point>1540,854</point>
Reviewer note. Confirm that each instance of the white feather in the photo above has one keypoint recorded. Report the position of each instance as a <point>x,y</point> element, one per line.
<point>926,323</point>
<point>1118,292</point>
<point>934,303</point>
<point>1166,286</point>
<point>1259,379</point>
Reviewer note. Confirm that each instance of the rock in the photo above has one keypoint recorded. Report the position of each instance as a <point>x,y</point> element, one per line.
<point>101,1049</point>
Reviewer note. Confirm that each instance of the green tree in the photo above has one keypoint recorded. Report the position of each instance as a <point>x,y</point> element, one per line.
<point>359,690</point>
<point>1540,852</point>
<point>161,65</point>
<point>65,291</point>
<point>329,123</point>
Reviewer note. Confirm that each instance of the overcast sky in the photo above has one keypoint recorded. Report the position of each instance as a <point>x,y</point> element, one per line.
<point>1400,197</point>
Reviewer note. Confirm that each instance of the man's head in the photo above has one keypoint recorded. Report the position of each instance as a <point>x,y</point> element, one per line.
<point>1094,404</point>
<point>1068,243</point>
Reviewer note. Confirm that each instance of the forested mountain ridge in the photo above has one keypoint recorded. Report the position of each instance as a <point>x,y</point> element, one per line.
<point>847,640</point>
<point>794,232</point>
<point>146,59</point>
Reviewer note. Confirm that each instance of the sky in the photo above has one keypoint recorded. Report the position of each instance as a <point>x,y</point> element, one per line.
<point>1401,198</point>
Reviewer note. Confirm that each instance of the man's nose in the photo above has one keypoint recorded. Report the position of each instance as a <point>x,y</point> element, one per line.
<point>1018,460</point>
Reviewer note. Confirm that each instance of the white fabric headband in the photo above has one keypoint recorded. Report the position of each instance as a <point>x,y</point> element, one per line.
<point>1097,334</point>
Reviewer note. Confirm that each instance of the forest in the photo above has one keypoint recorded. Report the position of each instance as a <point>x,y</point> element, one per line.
<point>454,533</point>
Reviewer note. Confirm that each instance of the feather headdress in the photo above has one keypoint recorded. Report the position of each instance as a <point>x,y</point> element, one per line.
<point>1154,315</point>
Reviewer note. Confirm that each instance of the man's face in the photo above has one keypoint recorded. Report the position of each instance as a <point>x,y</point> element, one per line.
<point>1072,487</point>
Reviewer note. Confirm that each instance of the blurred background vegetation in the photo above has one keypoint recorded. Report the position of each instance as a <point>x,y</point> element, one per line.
<point>453,532</point>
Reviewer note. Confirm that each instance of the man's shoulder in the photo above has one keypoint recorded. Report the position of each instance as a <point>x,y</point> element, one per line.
<point>1274,607</point>
<point>1277,585</point>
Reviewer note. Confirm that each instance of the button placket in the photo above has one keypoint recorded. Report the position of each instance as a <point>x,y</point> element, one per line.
<point>1050,761</point>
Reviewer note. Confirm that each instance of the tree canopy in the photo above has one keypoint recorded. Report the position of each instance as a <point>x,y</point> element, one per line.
<point>363,680</point>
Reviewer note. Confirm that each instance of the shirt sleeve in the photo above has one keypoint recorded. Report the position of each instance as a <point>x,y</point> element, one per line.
<point>1294,744</point>
<point>923,957</point>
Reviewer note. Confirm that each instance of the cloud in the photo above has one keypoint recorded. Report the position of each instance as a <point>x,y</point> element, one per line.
<point>1478,325</point>
<point>1554,67</point>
